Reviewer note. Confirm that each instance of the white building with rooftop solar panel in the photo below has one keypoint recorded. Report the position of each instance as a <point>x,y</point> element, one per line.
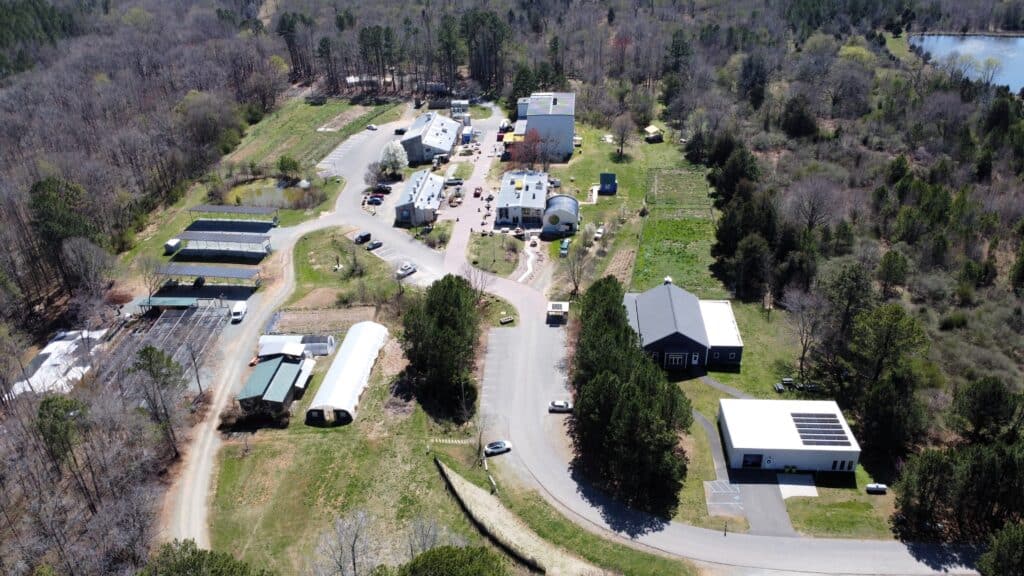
<point>809,435</point>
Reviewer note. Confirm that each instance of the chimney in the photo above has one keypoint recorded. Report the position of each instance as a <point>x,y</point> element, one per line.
<point>668,280</point>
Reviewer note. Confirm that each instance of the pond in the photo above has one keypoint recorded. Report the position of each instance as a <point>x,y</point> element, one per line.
<point>272,193</point>
<point>1007,50</point>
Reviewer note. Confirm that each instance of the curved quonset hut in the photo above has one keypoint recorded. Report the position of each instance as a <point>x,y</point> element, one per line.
<point>338,397</point>
<point>561,215</point>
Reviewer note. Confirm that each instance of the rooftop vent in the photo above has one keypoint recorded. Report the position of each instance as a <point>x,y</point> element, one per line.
<point>554,101</point>
<point>668,280</point>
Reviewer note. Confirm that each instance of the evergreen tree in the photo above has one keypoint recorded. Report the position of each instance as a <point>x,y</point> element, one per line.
<point>1005,554</point>
<point>184,558</point>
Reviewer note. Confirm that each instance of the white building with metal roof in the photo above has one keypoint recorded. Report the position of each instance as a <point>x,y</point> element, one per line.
<point>553,116</point>
<point>429,135</point>
<point>809,435</point>
<point>521,199</point>
<point>420,200</point>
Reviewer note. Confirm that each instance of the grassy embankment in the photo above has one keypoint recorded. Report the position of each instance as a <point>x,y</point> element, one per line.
<point>315,257</point>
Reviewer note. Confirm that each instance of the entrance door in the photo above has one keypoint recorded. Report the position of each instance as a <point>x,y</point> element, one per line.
<point>752,460</point>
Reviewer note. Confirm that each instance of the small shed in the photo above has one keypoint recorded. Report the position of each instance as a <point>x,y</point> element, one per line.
<point>172,245</point>
<point>653,134</point>
<point>609,184</point>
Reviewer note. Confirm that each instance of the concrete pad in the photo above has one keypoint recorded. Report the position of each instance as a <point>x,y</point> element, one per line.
<point>723,499</point>
<point>797,485</point>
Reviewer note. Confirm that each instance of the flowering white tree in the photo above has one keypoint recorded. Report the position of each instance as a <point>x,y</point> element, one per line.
<point>393,158</point>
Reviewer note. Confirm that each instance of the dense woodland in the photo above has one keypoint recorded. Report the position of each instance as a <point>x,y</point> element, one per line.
<point>876,196</point>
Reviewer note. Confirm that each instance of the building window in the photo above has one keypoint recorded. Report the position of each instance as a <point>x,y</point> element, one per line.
<point>696,358</point>
<point>835,464</point>
<point>654,356</point>
<point>732,355</point>
<point>675,359</point>
<point>716,355</point>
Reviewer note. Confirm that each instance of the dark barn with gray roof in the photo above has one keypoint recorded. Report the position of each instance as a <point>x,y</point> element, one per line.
<point>671,324</point>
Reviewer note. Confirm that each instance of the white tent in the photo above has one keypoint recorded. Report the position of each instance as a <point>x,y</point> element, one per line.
<point>338,397</point>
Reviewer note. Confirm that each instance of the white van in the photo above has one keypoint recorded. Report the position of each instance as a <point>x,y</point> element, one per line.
<point>238,311</point>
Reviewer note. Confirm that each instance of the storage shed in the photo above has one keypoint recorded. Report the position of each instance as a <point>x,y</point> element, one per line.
<point>315,344</point>
<point>337,400</point>
<point>810,435</point>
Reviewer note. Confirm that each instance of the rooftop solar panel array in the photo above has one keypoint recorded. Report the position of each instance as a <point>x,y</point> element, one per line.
<point>224,237</point>
<point>820,429</point>
<point>210,271</point>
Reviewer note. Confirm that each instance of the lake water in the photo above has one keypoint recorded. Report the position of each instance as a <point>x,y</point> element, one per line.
<point>1008,50</point>
<point>267,192</point>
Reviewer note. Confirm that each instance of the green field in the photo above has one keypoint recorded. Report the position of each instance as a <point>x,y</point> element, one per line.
<point>292,130</point>
<point>165,223</point>
<point>843,510</point>
<point>479,112</point>
<point>497,254</point>
<point>317,253</point>
<point>899,47</point>
<point>277,492</point>
<point>463,170</point>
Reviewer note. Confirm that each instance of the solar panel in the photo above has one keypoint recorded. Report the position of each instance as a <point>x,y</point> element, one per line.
<point>210,271</point>
<point>820,429</point>
<point>224,237</point>
<point>222,209</point>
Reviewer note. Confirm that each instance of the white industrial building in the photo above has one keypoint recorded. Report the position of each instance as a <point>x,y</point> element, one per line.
<point>430,134</point>
<point>337,400</point>
<point>561,215</point>
<point>521,199</point>
<point>810,435</point>
<point>420,200</point>
<point>553,116</point>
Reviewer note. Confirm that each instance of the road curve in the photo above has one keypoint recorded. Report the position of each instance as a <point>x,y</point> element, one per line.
<point>525,369</point>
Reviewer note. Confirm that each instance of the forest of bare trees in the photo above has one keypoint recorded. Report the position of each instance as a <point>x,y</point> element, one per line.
<point>880,189</point>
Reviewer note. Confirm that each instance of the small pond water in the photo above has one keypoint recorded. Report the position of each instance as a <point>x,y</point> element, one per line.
<point>1008,50</point>
<point>267,192</point>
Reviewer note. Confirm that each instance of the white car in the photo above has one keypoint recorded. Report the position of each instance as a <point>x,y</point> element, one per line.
<point>599,234</point>
<point>371,126</point>
<point>560,407</point>
<point>499,447</point>
<point>876,488</point>
<point>405,270</point>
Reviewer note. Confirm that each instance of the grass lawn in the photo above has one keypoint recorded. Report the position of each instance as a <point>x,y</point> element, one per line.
<point>273,501</point>
<point>497,254</point>
<point>315,256</point>
<point>292,130</point>
<point>165,223</point>
<point>555,528</point>
<point>478,112</point>
<point>494,309</point>
<point>843,509</point>
<point>463,170</point>
<point>703,397</point>
<point>693,508</point>
<point>899,47</point>
<point>439,235</point>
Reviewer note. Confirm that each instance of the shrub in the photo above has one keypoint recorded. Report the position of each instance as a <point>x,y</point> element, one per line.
<point>953,321</point>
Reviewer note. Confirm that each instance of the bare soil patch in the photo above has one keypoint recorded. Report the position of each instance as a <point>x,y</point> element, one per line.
<point>332,321</point>
<point>318,298</point>
<point>621,265</point>
<point>341,120</point>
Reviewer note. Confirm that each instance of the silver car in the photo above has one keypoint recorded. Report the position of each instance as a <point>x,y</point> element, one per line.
<point>499,447</point>
<point>560,407</point>
<point>406,269</point>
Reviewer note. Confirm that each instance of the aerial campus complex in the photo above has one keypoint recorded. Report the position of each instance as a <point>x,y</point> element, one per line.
<point>367,289</point>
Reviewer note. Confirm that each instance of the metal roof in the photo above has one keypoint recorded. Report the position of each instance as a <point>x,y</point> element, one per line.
<point>720,323</point>
<point>786,425</point>
<point>350,371</point>
<point>209,271</point>
<point>563,202</point>
<point>260,378</point>
<point>224,237</point>
<point>523,188</point>
<point>283,381</point>
<point>434,130</point>
<point>663,311</point>
<point>225,209</point>
<point>551,104</point>
<point>424,191</point>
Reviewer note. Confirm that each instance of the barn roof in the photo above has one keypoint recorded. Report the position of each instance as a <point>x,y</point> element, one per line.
<point>663,311</point>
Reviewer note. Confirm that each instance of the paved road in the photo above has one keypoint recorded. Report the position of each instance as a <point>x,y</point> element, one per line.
<point>525,370</point>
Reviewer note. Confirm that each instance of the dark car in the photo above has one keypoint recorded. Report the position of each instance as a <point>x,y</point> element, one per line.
<point>382,189</point>
<point>374,245</point>
<point>375,201</point>
<point>779,387</point>
<point>362,238</point>
<point>453,182</point>
<point>400,131</point>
